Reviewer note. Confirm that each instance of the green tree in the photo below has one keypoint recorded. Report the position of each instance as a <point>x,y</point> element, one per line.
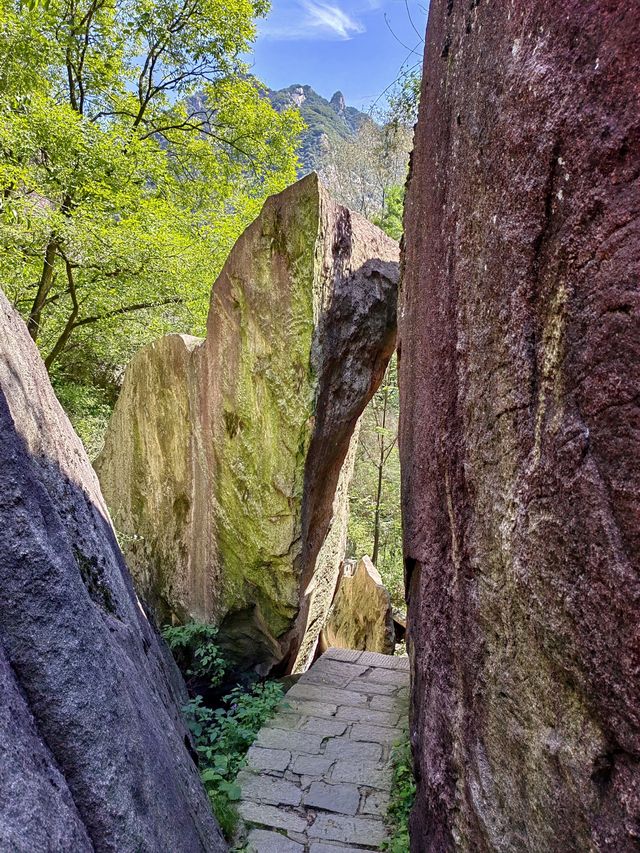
<point>134,149</point>
<point>375,526</point>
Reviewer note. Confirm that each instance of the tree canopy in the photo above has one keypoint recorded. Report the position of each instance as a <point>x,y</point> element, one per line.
<point>134,149</point>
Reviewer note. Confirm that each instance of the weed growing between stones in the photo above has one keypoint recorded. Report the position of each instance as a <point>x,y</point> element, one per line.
<point>222,730</point>
<point>402,796</point>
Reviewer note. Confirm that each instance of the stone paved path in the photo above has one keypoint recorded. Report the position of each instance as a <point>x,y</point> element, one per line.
<point>319,774</point>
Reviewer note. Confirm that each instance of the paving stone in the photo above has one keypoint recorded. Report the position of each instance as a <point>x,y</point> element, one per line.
<point>311,765</point>
<point>386,676</point>
<point>268,759</point>
<point>372,688</point>
<point>321,847</point>
<point>384,661</point>
<point>344,747</point>
<point>374,734</point>
<point>292,741</point>
<point>312,709</point>
<point>361,772</point>
<point>268,789</point>
<point>265,815</point>
<point>383,703</point>
<point>284,719</point>
<point>333,695</point>
<point>351,830</point>
<point>320,769</point>
<point>334,673</point>
<point>324,726</point>
<point>366,715</point>
<point>375,803</point>
<point>262,841</point>
<point>341,798</point>
<point>350,655</point>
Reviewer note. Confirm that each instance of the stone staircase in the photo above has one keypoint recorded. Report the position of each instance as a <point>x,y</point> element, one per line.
<point>319,773</point>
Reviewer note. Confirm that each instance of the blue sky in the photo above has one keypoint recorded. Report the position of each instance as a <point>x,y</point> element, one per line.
<point>357,46</point>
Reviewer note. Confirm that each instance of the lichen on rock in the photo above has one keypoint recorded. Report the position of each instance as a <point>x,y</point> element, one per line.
<point>361,616</point>
<point>226,500</point>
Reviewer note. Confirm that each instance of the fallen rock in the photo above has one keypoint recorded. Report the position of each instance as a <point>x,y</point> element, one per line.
<point>520,428</point>
<point>361,616</point>
<point>95,754</point>
<point>227,462</point>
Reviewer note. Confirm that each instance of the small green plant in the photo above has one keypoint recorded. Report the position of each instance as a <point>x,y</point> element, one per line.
<point>223,737</point>
<point>194,647</point>
<point>402,796</point>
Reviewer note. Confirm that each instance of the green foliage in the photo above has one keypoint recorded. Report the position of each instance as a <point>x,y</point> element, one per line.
<point>134,149</point>
<point>223,737</point>
<point>390,218</point>
<point>404,98</point>
<point>374,495</point>
<point>89,410</point>
<point>222,734</point>
<point>403,793</point>
<point>194,647</point>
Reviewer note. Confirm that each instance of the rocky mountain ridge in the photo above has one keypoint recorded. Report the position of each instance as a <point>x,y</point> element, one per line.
<point>328,121</point>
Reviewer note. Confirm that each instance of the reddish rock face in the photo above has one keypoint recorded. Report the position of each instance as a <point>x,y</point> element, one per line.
<point>520,428</point>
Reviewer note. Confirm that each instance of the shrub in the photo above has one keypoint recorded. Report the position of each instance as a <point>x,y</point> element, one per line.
<point>402,796</point>
<point>223,737</point>
<point>196,653</point>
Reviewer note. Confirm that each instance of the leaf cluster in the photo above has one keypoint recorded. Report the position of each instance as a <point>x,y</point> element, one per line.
<point>223,737</point>
<point>194,647</point>
<point>134,149</point>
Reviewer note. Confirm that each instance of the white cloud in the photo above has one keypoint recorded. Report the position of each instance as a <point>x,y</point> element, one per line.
<point>331,19</point>
<point>312,19</point>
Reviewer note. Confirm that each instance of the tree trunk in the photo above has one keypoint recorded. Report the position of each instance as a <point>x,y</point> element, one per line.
<point>46,280</point>
<point>380,466</point>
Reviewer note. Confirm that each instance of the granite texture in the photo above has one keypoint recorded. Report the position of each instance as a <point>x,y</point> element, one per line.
<point>520,426</point>
<point>95,755</point>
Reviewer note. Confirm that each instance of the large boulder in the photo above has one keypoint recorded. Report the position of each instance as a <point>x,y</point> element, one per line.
<point>227,462</point>
<point>94,753</point>
<point>520,428</point>
<point>361,616</point>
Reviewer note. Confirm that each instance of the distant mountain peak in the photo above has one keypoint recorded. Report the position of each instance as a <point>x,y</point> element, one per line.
<point>328,122</point>
<point>338,102</point>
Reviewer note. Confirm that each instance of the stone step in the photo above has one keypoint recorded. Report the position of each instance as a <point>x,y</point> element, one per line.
<point>318,776</point>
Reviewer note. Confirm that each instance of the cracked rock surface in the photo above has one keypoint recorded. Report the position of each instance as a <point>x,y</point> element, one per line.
<point>227,461</point>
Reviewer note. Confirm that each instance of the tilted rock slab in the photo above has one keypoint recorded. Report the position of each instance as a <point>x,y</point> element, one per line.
<point>94,752</point>
<point>520,428</point>
<point>361,616</point>
<point>227,461</point>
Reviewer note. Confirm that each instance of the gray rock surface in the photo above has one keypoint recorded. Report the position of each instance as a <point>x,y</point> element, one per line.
<point>331,792</point>
<point>94,752</point>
